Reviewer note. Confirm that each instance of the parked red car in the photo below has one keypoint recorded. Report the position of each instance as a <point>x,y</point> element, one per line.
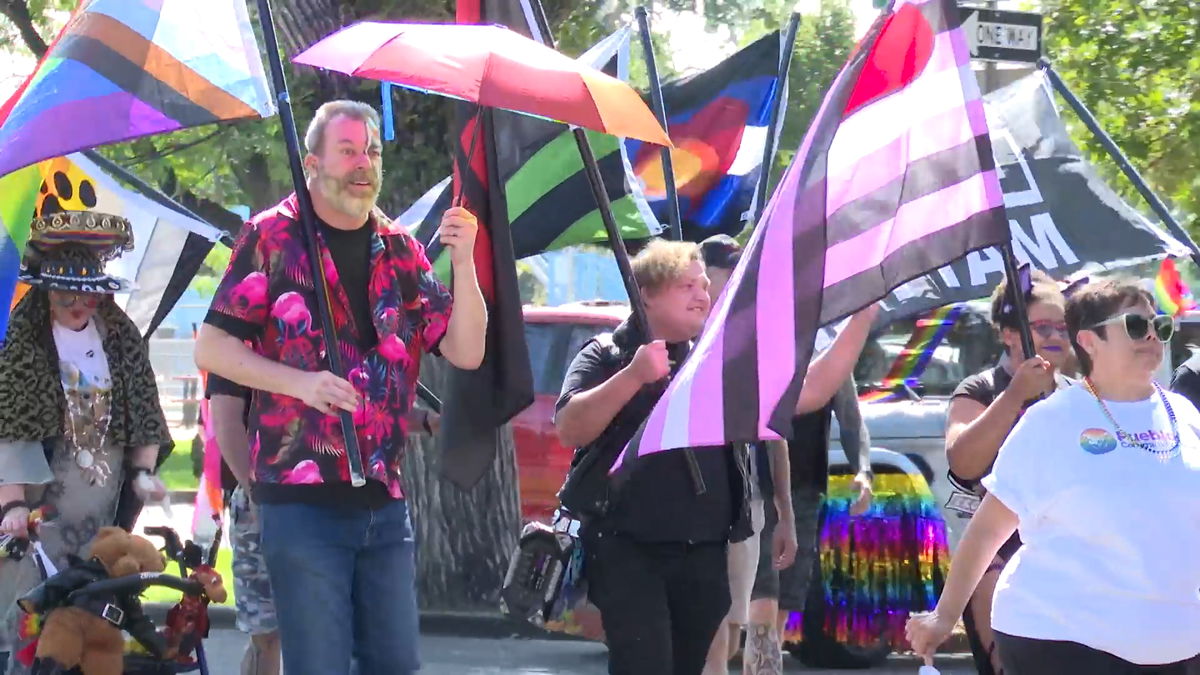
<point>554,336</point>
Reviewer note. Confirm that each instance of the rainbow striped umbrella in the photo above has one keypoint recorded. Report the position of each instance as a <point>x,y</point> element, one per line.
<point>491,66</point>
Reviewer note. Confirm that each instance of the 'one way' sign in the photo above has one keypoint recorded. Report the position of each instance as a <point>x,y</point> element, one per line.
<point>996,35</point>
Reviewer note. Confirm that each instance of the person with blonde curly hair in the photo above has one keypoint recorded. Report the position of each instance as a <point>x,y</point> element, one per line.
<point>655,544</point>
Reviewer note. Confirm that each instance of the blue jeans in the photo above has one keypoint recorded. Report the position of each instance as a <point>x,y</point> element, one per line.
<point>344,584</point>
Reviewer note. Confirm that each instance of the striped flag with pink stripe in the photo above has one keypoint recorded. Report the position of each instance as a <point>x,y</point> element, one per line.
<point>894,178</point>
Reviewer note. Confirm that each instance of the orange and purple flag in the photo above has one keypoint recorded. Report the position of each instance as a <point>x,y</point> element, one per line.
<point>122,69</point>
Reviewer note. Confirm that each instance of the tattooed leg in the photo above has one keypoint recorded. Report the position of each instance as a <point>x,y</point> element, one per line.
<point>764,653</point>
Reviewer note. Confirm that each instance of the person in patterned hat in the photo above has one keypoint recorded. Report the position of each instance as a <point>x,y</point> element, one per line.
<point>81,423</point>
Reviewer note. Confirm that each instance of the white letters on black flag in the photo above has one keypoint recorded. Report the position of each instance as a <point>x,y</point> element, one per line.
<point>1064,218</point>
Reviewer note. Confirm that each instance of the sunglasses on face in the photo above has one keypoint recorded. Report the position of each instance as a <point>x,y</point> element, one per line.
<point>69,300</point>
<point>1137,327</point>
<point>1046,329</point>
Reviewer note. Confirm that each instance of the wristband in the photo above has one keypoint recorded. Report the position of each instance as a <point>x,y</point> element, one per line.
<point>15,504</point>
<point>425,423</point>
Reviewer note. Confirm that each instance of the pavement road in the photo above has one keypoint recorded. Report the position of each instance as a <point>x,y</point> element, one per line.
<point>446,651</point>
<point>449,655</point>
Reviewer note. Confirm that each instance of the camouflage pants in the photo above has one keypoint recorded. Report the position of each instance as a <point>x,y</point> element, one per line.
<point>251,584</point>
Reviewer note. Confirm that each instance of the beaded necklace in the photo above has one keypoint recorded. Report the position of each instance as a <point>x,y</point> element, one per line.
<point>1152,448</point>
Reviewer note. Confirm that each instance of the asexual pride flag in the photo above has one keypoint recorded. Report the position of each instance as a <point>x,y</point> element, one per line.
<point>895,177</point>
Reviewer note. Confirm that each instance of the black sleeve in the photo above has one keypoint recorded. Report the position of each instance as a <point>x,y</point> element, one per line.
<point>238,328</point>
<point>977,388</point>
<point>590,368</point>
<point>219,386</point>
<point>1187,382</point>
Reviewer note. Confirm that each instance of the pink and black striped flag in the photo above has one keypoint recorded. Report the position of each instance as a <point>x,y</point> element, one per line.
<point>894,178</point>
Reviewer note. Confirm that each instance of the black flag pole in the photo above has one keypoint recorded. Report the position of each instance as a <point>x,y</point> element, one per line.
<point>603,204</point>
<point>1110,146</point>
<point>781,82</point>
<point>674,219</point>
<point>596,182</point>
<point>1017,298</point>
<point>308,221</point>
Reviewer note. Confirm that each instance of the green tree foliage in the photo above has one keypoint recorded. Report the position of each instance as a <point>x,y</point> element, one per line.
<point>1136,65</point>
<point>823,43</point>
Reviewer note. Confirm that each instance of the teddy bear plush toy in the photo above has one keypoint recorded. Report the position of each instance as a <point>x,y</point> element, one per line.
<point>88,633</point>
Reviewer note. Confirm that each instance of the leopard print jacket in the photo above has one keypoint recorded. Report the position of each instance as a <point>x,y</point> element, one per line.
<point>32,403</point>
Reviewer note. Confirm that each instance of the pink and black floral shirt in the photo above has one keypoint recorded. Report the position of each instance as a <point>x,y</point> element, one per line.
<point>267,298</point>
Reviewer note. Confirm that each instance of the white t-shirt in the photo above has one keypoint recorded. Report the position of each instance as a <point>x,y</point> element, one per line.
<point>82,352</point>
<point>1111,554</point>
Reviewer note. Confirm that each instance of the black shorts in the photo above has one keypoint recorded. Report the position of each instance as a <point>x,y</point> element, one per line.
<point>1030,656</point>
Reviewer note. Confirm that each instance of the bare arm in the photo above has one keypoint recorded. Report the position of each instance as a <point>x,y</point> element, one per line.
<point>464,343</point>
<point>228,418</point>
<point>856,439</point>
<point>974,433</point>
<point>16,521</point>
<point>991,525</point>
<point>783,541</point>
<point>830,369</point>
<point>11,492</point>
<point>588,413</point>
<point>989,528</point>
<point>781,479</point>
<point>465,339</point>
<point>219,352</point>
<point>145,457</point>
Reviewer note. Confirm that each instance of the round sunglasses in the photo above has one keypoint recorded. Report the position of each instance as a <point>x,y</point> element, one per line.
<point>1138,326</point>
<point>1047,329</point>
<point>69,300</point>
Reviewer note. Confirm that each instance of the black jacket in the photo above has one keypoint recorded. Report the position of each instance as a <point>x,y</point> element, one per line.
<point>1186,380</point>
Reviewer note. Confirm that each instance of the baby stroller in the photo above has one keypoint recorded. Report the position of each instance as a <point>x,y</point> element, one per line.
<point>186,625</point>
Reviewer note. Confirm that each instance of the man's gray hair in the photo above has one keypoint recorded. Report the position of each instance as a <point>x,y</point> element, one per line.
<point>315,136</point>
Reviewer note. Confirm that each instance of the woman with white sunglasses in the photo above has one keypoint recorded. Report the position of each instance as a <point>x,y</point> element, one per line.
<point>1103,479</point>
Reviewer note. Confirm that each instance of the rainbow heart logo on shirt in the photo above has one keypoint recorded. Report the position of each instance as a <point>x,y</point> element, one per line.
<point>1097,441</point>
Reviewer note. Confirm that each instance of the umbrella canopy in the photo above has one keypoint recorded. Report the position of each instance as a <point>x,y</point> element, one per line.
<point>491,66</point>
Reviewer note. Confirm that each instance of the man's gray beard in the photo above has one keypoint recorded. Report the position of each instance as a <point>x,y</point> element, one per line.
<point>339,198</point>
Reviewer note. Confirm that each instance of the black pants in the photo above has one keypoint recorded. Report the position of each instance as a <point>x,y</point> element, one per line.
<point>1027,656</point>
<point>661,604</point>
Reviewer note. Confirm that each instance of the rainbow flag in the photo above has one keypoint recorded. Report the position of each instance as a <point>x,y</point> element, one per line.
<point>122,69</point>
<point>19,199</point>
<point>1172,295</point>
<point>930,330</point>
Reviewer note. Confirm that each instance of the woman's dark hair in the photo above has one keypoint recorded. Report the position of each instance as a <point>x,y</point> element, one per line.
<point>1097,302</point>
<point>1041,288</point>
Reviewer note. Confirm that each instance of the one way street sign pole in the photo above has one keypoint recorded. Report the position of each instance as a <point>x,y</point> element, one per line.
<point>996,35</point>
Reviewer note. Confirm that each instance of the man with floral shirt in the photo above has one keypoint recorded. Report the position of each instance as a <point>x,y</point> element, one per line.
<point>340,558</point>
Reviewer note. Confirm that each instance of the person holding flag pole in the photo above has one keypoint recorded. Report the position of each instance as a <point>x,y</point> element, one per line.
<point>341,557</point>
<point>1103,480</point>
<point>983,410</point>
